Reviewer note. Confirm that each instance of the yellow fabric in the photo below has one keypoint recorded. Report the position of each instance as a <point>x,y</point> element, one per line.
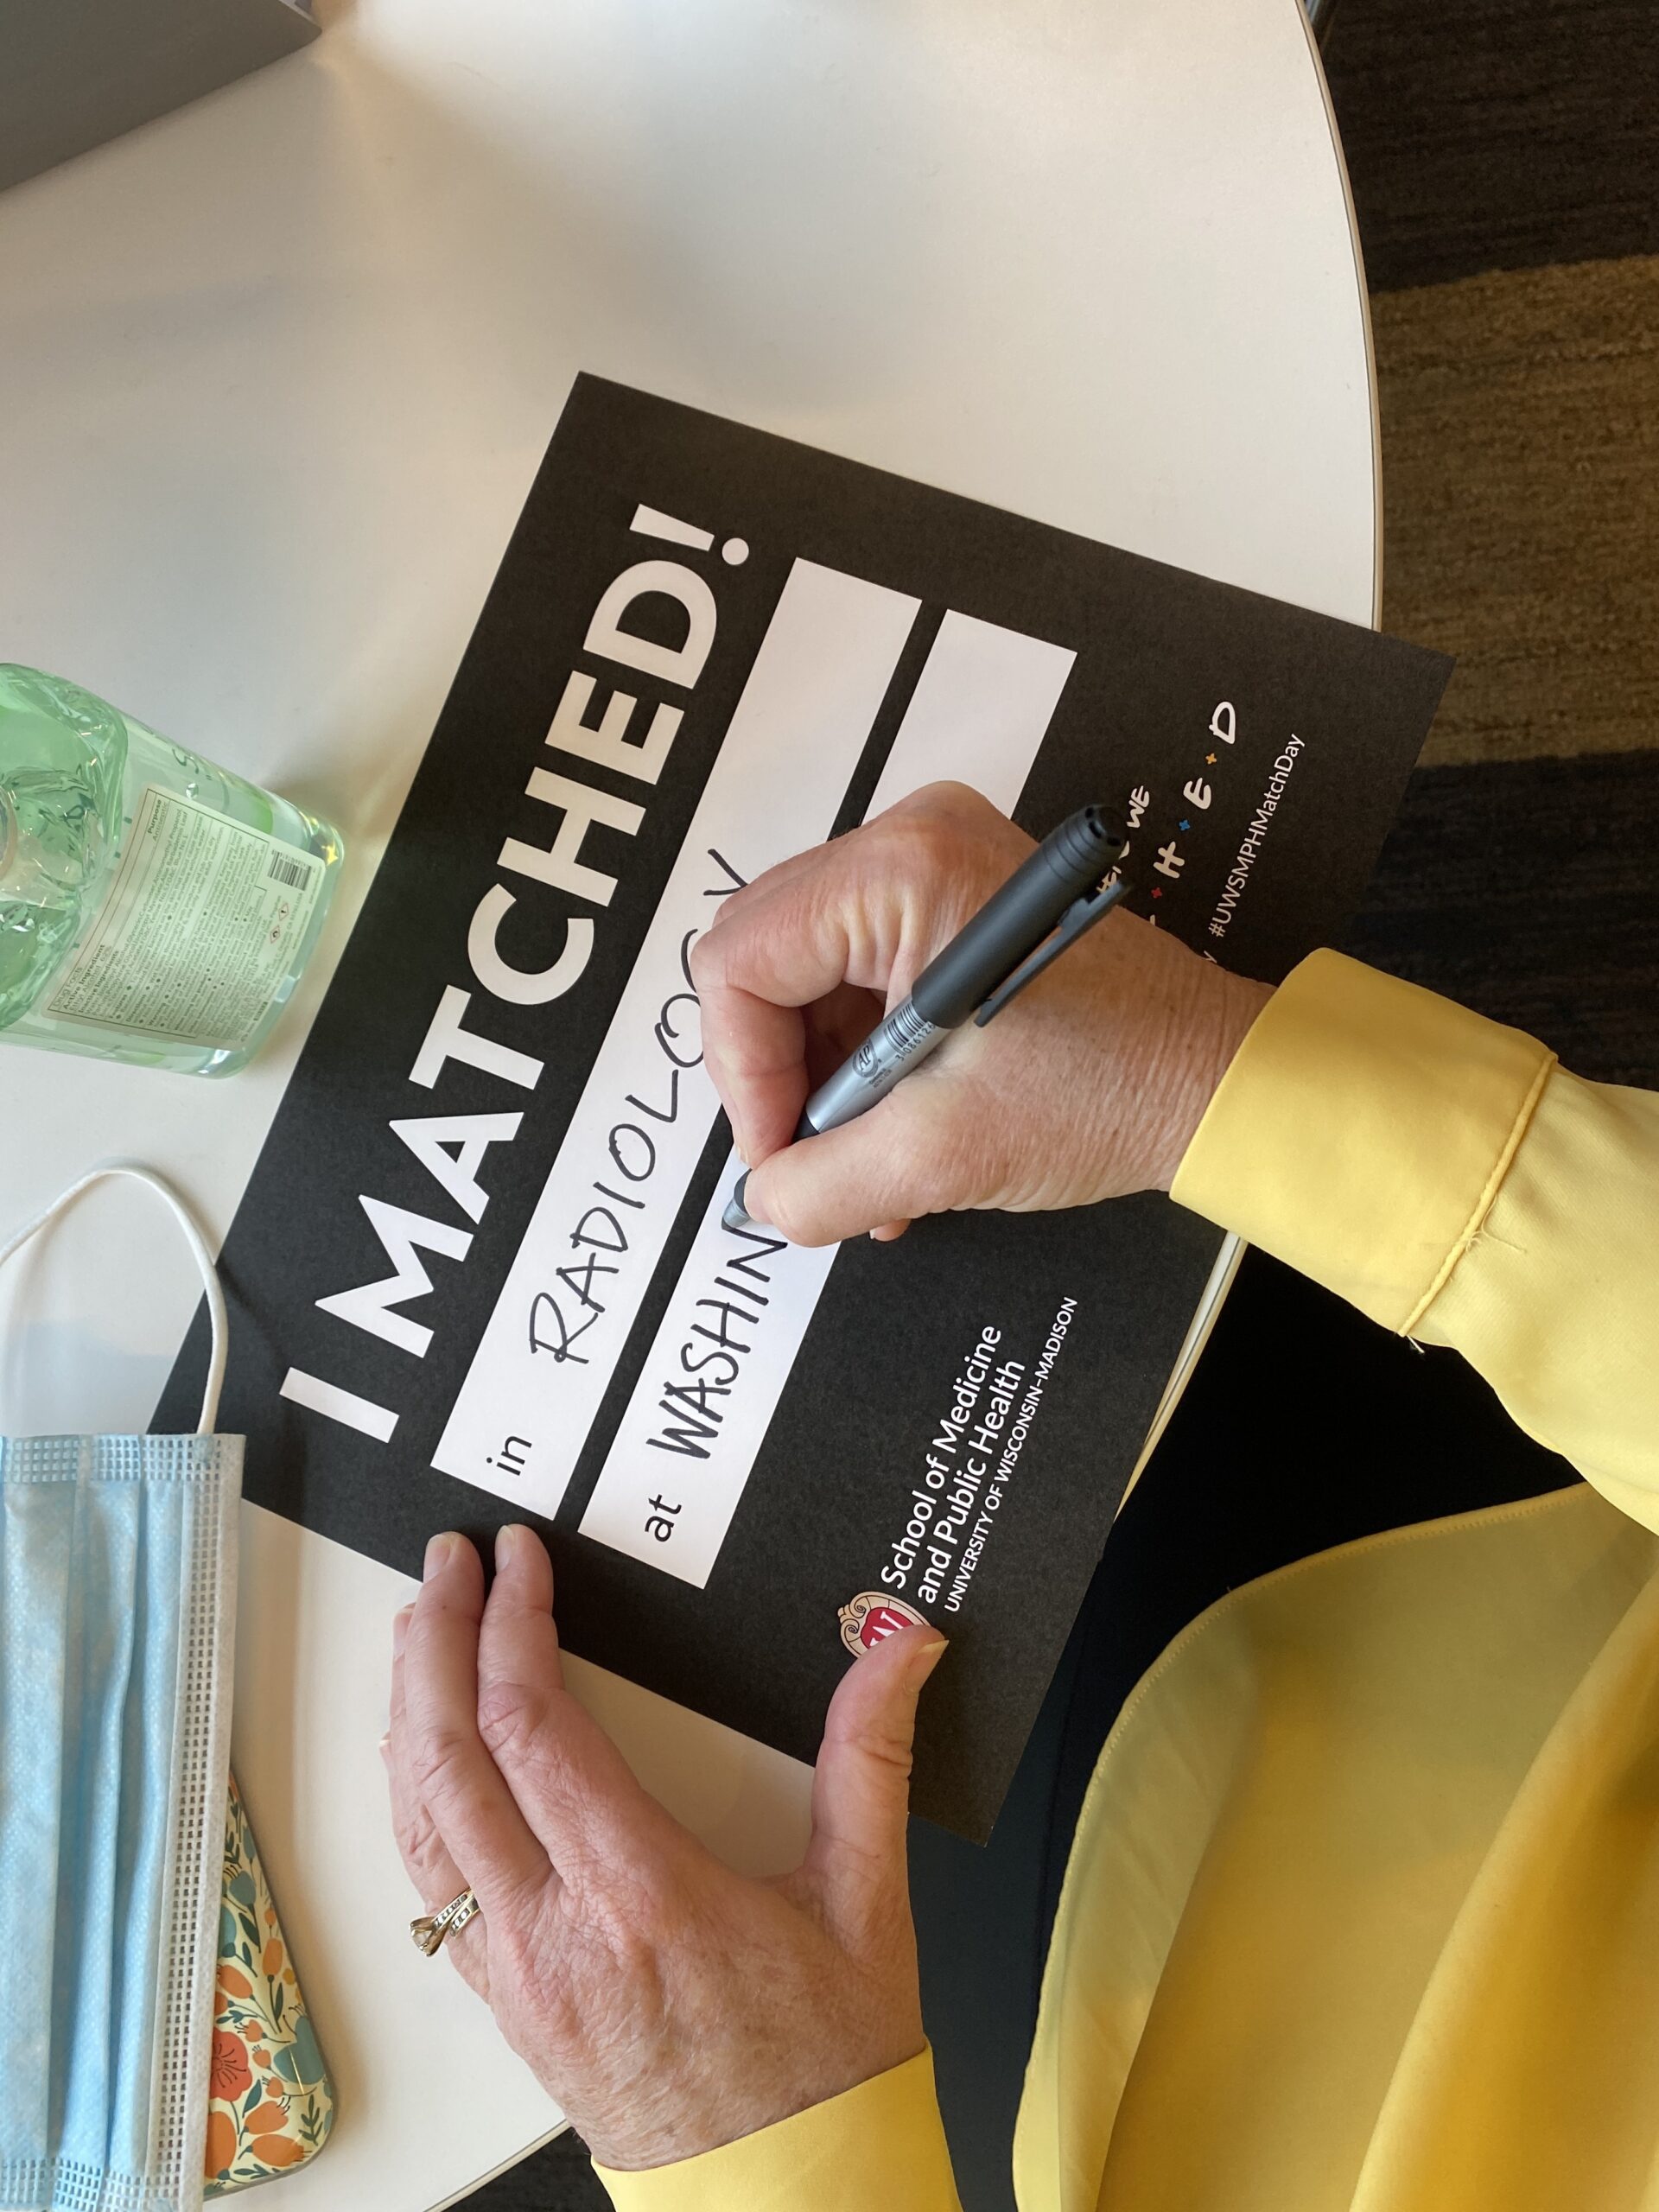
<point>1361,1132</point>
<point>1354,1921</point>
<point>1559,1308</point>
<point>1363,1913</point>
<point>880,2143</point>
<point>1440,1172</point>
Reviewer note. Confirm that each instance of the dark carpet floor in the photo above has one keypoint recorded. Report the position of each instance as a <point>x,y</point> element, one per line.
<point>1503,156</point>
<point>1497,134</point>
<point>1529,890</point>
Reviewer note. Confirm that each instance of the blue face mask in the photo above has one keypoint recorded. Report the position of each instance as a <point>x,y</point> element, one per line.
<point>118,1580</point>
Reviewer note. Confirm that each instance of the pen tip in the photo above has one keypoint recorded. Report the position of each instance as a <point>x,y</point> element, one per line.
<point>735,1216</point>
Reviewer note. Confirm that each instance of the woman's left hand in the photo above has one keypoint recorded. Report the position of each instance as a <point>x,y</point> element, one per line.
<point>668,2004</point>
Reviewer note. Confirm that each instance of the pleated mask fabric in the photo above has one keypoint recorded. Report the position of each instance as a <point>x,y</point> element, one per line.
<point>118,1584</point>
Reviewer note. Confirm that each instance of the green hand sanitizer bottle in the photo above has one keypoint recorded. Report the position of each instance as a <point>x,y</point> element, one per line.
<point>153,909</point>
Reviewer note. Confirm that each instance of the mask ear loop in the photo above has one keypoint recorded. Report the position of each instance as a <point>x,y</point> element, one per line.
<point>197,1243</point>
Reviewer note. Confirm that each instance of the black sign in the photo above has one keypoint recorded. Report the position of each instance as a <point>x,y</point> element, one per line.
<point>478,1274</point>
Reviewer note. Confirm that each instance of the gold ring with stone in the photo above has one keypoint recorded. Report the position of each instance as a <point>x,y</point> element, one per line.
<point>428,1934</point>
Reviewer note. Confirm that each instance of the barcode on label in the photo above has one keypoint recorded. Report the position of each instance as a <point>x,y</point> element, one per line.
<point>909,1028</point>
<point>291,873</point>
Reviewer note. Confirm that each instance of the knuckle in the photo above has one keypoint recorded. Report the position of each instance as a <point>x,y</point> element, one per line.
<point>934,846</point>
<point>943,810</point>
<point>631,1947</point>
<point>960,802</point>
<point>412,1825</point>
<point>509,1716</point>
<point>733,923</point>
<point>639,1920</point>
<point>513,1725</point>
<point>909,826</point>
<point>887,1747</point>
<point>560,2026</point>
<point>929,802</point>
<point>435,1763</point>
<point>879,1743</point>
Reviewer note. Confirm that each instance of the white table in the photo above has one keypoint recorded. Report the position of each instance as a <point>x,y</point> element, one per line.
<point>275,375</point>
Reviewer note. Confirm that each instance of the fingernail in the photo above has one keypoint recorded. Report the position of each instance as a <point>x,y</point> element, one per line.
<point>384,1740</point>
<point>437,1553</point>
<point>928,1658</point>
<point>400,1622</point>
<point>506,1546</point>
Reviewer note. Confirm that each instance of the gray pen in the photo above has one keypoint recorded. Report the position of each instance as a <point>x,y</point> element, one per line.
<point>1048,902</point>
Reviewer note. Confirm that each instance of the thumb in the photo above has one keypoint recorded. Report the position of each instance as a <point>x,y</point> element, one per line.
<point>860,1792</point>
<point>849,1180</point>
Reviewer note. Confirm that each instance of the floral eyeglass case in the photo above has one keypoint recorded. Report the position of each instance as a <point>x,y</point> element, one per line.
<point>271,2104</point>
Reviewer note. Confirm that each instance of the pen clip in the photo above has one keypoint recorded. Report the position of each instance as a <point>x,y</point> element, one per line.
<point>1078,917</point>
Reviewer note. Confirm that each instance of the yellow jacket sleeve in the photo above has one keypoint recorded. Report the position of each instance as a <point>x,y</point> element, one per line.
<point>1445,1175</point>
<point>880,2143</point>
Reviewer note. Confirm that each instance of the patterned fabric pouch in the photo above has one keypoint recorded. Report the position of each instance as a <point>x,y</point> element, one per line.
<point>271,2105</point>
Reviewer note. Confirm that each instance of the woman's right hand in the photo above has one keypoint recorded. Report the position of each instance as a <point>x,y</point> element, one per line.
<point>1089,1086</point>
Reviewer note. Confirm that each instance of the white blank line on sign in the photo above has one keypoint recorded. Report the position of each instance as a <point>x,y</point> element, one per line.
<point>679,1463</point>
<point>538,1378</point>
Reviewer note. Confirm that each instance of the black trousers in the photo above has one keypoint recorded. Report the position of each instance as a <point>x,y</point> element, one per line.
<point>1304,1427</point>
